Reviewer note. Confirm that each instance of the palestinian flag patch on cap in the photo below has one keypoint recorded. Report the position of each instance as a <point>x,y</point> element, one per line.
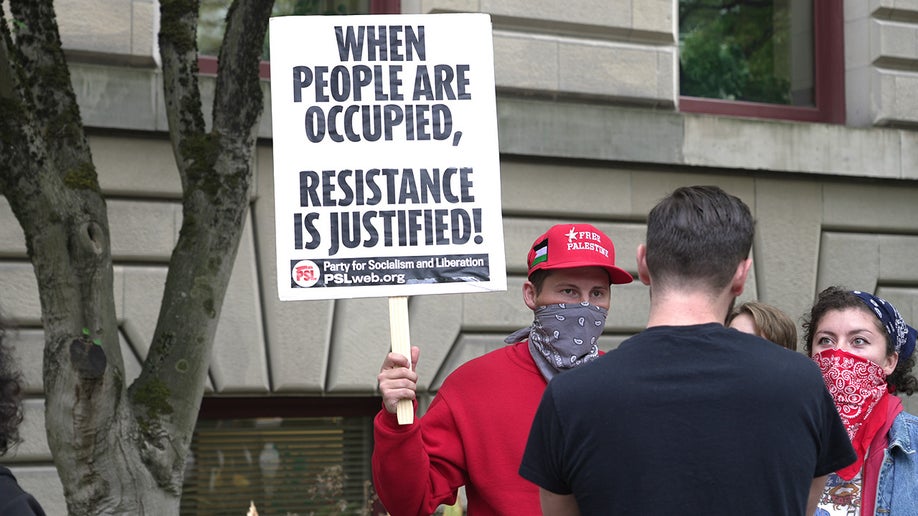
<point>541,253</point>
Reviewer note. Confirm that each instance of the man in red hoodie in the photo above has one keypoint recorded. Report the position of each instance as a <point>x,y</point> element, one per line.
<point>475,430</point>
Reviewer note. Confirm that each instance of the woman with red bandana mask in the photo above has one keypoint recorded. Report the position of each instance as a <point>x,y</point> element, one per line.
<point>865,351</point>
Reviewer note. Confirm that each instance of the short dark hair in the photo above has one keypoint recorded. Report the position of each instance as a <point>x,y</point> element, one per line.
<point>698,235</point>
<point>838,298</point>
<point>538,279</point>
<point>10,397</point>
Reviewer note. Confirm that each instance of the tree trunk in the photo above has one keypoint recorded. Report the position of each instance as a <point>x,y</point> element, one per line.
<point>122,450</point>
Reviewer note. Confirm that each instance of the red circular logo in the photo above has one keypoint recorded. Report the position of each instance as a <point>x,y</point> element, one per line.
<point>305,273</point>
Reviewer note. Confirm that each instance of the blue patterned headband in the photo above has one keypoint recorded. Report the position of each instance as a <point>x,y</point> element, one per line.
<point>903,334</point>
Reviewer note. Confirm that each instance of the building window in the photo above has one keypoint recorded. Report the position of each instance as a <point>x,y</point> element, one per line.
<point>762,58</point>
<point>281,455</point>
<point>212,15</point>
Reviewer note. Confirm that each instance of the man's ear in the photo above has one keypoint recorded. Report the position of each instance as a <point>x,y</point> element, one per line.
<point>529,295</point>
<point>643,273</point>
<point>739,277</point>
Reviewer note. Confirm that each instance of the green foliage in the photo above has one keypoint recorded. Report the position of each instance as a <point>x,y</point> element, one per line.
<point>96,341</point>
<point>733,50</point>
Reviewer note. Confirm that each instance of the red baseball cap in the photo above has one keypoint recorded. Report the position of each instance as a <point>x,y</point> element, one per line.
<point>565,246</point>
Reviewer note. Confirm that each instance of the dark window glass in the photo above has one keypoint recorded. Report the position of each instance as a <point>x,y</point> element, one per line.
<point>304,465</point>
<point>747,50</point>
<point>213,13</point>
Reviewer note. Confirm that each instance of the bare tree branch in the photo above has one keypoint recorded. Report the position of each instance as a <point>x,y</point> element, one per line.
<point>51,184</point>
<point>216,170</point>
<point>240,55</point>
<point>117,450</point>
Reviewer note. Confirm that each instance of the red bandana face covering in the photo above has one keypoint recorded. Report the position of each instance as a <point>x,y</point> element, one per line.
<point>858,387</point>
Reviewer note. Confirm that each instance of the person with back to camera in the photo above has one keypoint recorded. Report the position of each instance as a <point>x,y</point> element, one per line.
<point>475,429</point>
<point>688,416</point>
<point>866,353</point>
<point>14,501</point>
<point>766,321</point>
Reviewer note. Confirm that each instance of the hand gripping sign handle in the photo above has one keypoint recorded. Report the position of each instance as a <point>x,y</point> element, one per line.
<point>401,344</point>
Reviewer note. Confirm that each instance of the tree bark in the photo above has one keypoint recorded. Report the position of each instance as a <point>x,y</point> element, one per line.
<point>122,450</point>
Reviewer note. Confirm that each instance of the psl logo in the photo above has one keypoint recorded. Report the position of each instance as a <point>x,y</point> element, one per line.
<point>305,273</point>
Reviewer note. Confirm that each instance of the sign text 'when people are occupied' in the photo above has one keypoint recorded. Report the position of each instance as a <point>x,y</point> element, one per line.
<point>369,102</point>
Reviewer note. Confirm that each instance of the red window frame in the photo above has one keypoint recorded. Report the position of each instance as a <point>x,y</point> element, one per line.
<point>828,75</point>
<point>244,407</point>
<point>207,65</point>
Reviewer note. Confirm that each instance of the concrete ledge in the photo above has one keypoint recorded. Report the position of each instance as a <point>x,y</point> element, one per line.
<point>120,98</point>
<point>588,131</point>
<point>795,147</point>
<point>113,97</point>
<point>607,132</point>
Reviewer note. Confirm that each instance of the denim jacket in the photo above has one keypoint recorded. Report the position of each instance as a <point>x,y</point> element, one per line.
<point>897,485</point>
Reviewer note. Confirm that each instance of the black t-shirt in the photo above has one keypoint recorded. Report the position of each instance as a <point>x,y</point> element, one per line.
<point>688,420</point>
<point>13,500</point>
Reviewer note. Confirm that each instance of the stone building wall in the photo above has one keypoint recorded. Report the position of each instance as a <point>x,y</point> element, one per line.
<point>589,130</point>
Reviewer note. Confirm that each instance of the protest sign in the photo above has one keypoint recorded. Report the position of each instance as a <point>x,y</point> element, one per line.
<point>386,168</point>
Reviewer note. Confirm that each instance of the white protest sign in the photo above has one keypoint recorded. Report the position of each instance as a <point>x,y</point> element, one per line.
<point>386,168</point>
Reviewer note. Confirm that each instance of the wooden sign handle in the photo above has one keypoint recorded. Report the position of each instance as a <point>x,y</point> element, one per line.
<point>401,344</point>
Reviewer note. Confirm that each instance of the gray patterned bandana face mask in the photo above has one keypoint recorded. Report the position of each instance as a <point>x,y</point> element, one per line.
<point>563,336</point>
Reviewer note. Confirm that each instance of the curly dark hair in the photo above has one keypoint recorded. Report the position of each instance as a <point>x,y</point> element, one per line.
<point>902,380</point>
<point>10,397</point>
